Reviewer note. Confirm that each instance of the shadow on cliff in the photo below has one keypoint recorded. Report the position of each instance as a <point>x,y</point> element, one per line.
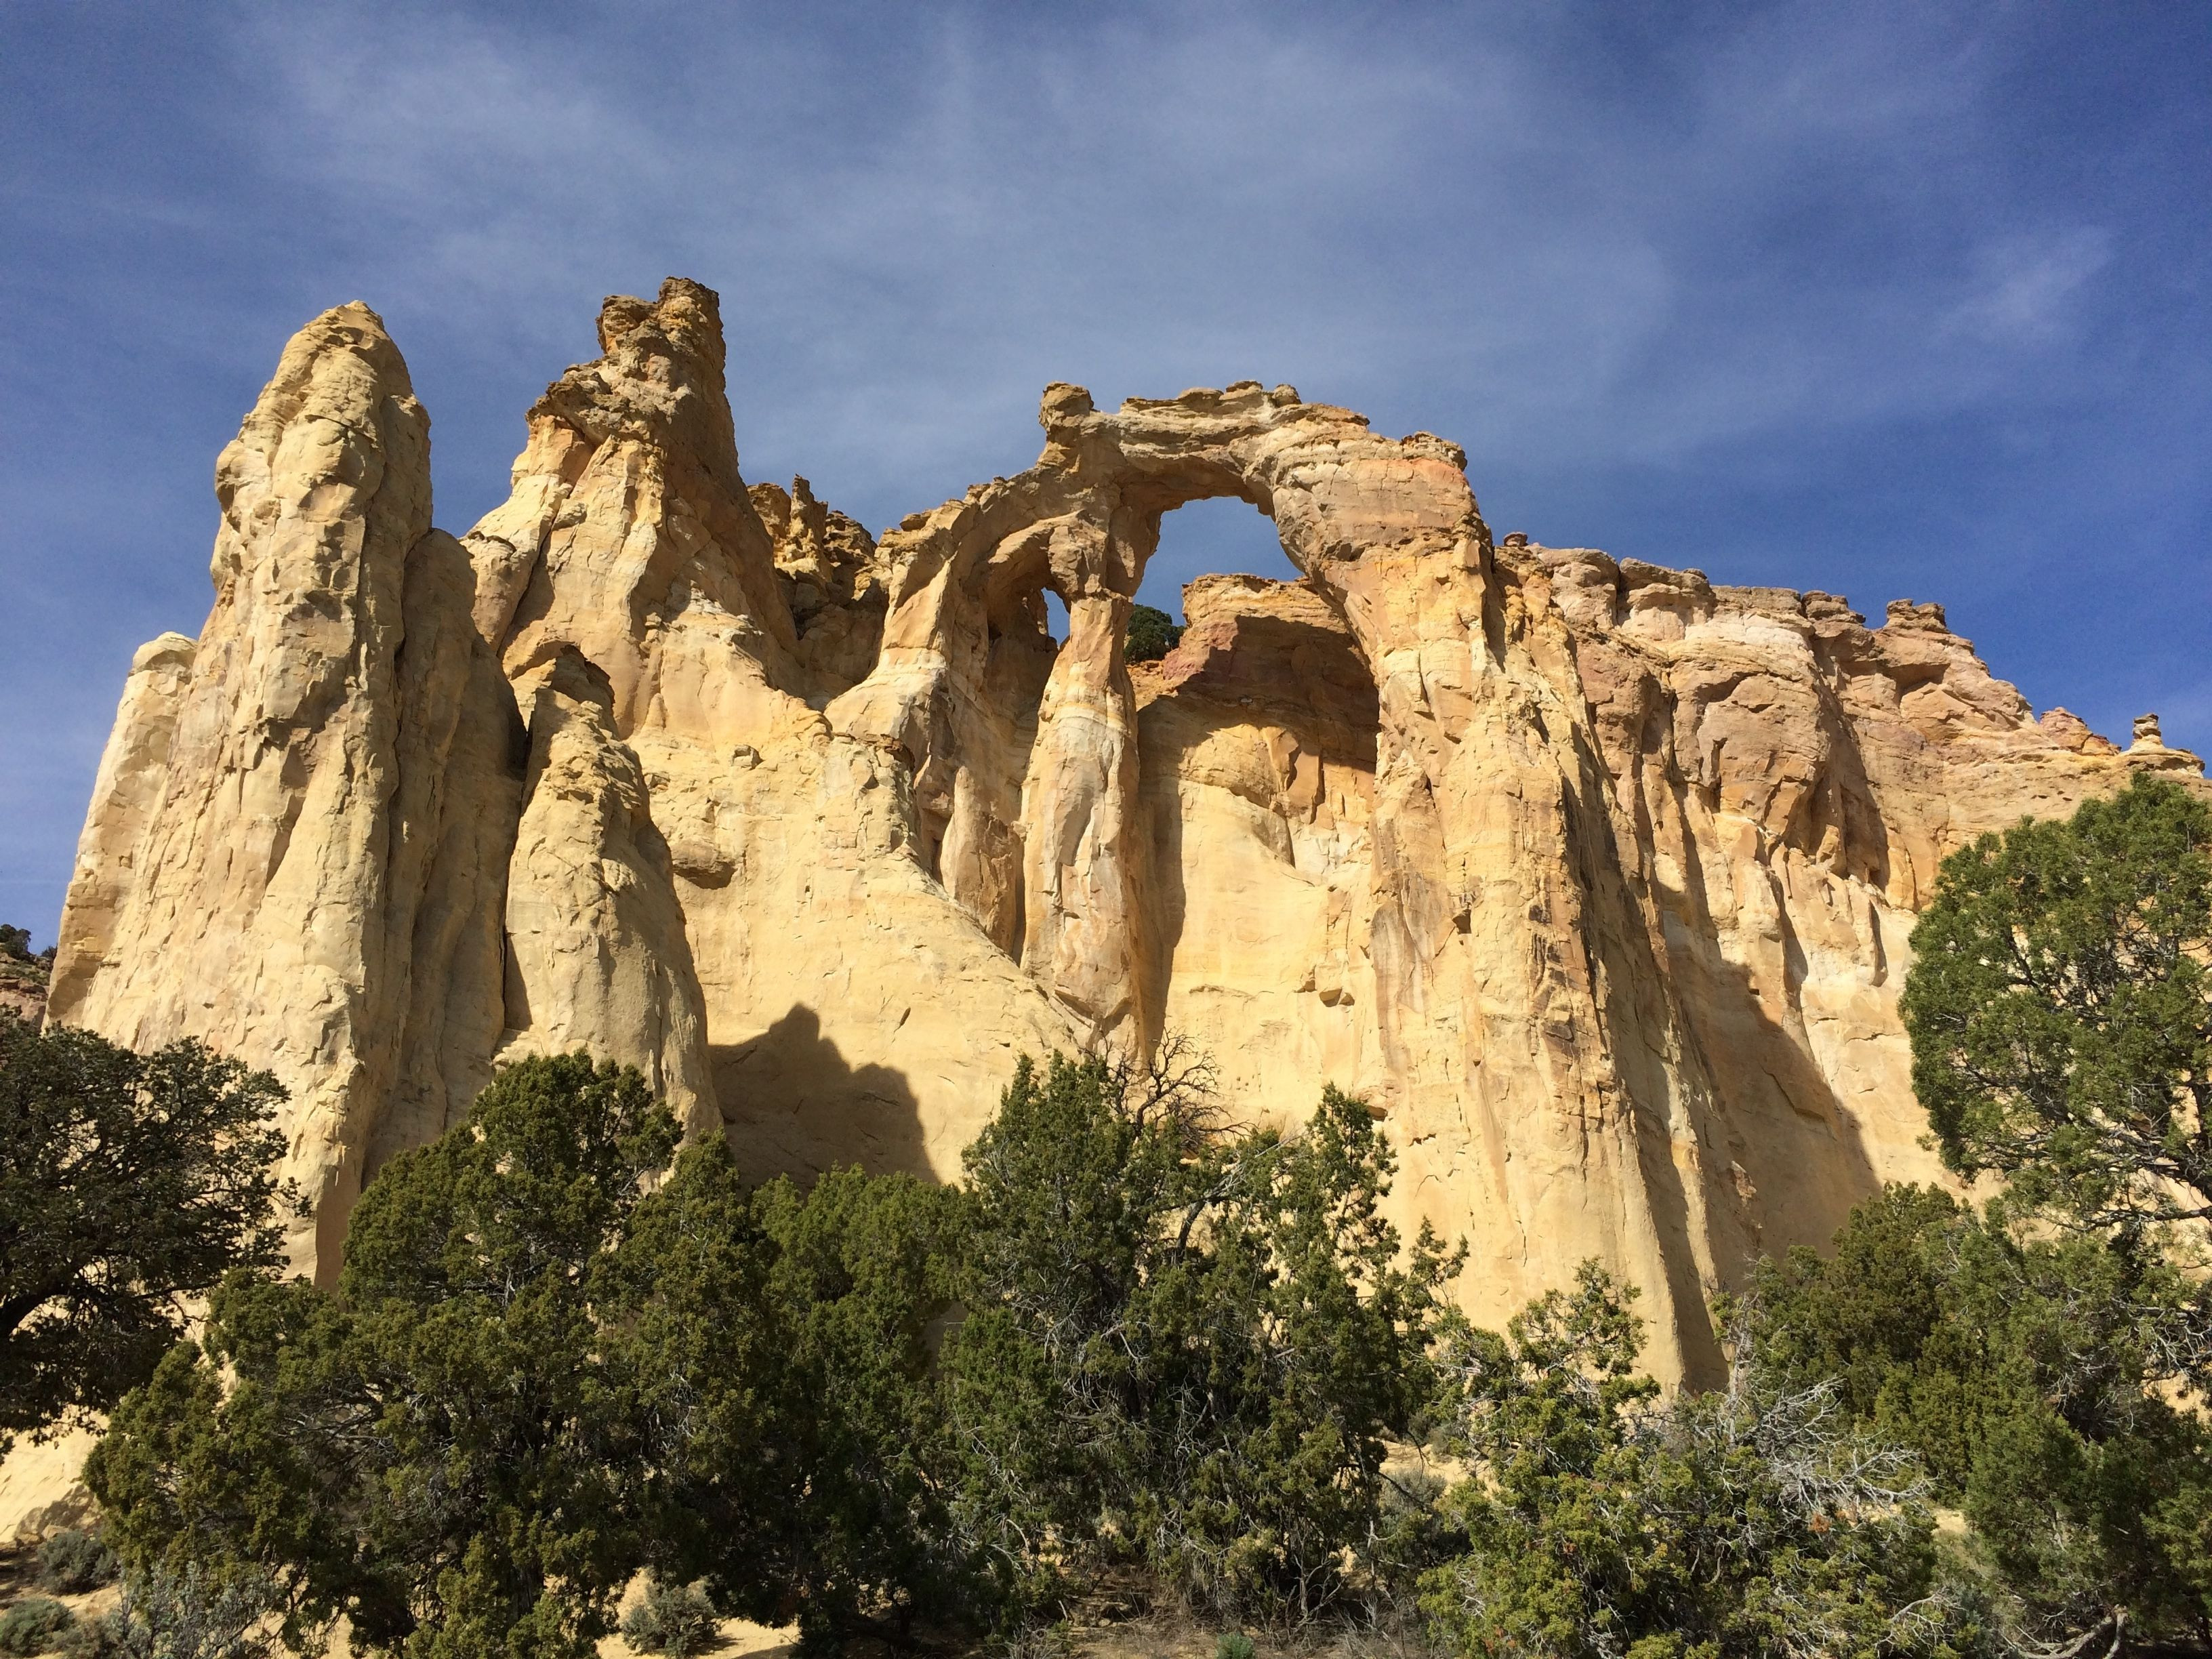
<point>1642,1003</point>
<point>1779,1159</point>
<point>792,1104</point>
<point>1803,1161</point>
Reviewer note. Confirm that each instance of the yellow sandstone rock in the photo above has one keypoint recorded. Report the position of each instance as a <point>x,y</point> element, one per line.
<point>1593,878</point>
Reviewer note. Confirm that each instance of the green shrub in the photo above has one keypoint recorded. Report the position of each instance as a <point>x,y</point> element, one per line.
<point>1234,1645</point>
<point>1601,1519</point>
<point>674,1619</point>
<point>1185,1347</point>
<point>34,1625</point>
<point>1152,634</point>
<point>110,1636</point>
<point>73,1562</point>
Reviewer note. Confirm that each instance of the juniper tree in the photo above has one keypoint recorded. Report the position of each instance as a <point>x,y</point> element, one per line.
<point>440,1448</point>
<point>1184,1346</point>
<point>784,1384</point>
<point>129,1184</point>
<point>2060,1009</point>
<point>1151,634</point>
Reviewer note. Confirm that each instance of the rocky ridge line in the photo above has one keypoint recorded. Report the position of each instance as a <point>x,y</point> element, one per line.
<point>1594,877</point>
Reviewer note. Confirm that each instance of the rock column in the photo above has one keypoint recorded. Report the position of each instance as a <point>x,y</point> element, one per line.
<point>1084,925</point>
<point>280,797</point>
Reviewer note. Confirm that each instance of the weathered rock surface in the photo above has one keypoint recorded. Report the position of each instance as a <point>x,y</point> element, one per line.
<point>23,995</point>
<point>275,858</point>
<point>243,875</point>
<point>596,948</point>
<point>1593,878</point>
<point>126,792</point>
<point>840,983</point>
<point>835,581</point>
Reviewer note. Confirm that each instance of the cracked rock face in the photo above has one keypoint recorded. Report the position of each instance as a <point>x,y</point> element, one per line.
<point>1594,878</point>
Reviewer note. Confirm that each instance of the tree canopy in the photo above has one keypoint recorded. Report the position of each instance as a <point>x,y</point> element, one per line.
<point>2047,1355</point>
<point>128,1184</point>
<point>786,1397</point>
<point>1185,1347</point>
<point>438,1449</point>
<point>558,1353</point>
<point>1151,634</point>
<point>2060,1009</point>
<point>16,946</point>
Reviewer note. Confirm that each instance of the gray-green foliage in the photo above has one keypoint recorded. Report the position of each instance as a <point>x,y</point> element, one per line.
<point>788,1388</point>
<point>675,1619</point>
<point>187,1613</point>
<point>73,1561</point>
<point>18,960</point>
<point>34,1624</point>
<point>1600,1519</point>
<point>558,1353</point>
<point>551,1359</point>
<point>2039,1354</point>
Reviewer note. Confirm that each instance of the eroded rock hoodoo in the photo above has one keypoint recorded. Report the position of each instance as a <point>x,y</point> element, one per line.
<point>1592,876</point>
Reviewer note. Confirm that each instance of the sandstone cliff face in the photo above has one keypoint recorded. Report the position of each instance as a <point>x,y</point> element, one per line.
<point>595,937</point>
<point>837,984</point>
<point>1594,878</point>
<point>268,816</point>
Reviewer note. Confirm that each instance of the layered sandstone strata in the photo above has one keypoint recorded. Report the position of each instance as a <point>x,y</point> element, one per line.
<point>1594,878</point>
<point>23,995</point>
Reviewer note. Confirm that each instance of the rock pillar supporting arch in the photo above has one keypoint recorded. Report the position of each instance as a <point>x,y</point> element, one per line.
<point>1594,877</point>
<point>1491,985</point>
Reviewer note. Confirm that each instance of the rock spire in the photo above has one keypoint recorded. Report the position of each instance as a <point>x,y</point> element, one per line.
<point>1593,877</point>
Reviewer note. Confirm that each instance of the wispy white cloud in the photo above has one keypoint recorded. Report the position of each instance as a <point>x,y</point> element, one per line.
<point>1769,278</point>
<point>1452,207</point>
<point>2028,285</point>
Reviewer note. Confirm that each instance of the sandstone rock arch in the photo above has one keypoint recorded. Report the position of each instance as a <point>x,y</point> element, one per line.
<point>1594,877</point>
<point>1489,900</point>
<point>1045,851</point>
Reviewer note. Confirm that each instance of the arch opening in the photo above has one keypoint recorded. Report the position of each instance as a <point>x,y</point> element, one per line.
<point>1216,535</point>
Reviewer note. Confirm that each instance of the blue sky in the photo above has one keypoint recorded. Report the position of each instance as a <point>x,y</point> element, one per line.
<point>1888,301</point>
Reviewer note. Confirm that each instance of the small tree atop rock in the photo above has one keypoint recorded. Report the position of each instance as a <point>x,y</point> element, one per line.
<point>1152,634</point>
